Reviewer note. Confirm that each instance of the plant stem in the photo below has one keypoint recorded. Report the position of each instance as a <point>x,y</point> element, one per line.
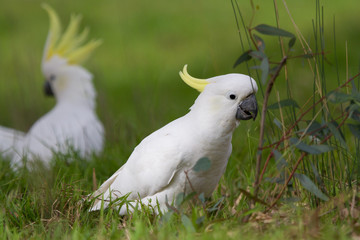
<point>286,135</point>
<point>299,161</point>
<point>262,122</point>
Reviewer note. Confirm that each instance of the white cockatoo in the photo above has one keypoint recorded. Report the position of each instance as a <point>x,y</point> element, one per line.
<point>160,167</point>
<point>72,125</point>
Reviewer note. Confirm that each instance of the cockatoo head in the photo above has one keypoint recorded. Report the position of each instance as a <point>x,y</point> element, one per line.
<point>226,98</point>
<point>66,79</point>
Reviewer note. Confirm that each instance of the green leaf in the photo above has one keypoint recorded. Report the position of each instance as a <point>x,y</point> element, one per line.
<point>339,97</point>
<point>264,66</point>
<point>189,197</point>
<point>311,149</point>
<point>259,42</point>
<point>314,149</point>
<point>273,70</point>
<point>187,223</point>
<point>355,96</point>
<point>165,218</point>
<point>277,123</point>
<point>257,55</point>
<point>277,180</point>
<point>179,199</point>
<point>337,134</point>
<point>353,108</point>
<point>316,173</point>
<point>202,197</point>
<point>292,42</point>
<point>306,182</point>
<point>200,220</point>
<point>355,130</point>
<point>273,31</point>
<point>202,165</point>
<point>280,161</point>
<point>314,128</point>
<point>355,114</point>
<point>354,88</point>
<point>321,148</point>
<point>243,58</point>
<point>284,103</point>
<point>215,207</point>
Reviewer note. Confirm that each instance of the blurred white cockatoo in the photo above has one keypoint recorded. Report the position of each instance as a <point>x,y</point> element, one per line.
<point>72,125</point>
<point>160,167</point>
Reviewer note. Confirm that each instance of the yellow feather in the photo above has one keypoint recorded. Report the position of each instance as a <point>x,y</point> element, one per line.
<point>80,39</point>
<point>69,44</point>
<point>81,54</point>
<point>68,37</point>
<point>55,28</point>
<point>198,84</point>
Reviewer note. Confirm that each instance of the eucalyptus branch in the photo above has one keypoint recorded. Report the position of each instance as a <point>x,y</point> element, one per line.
<point>287,137</point>
<point>252,39</point>
<point>262,122</point>
<point>288,133</point>
<point>299,161</point>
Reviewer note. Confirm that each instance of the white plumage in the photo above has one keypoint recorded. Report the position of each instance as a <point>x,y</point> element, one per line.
<point>156,170</point>
<point>72,125</point>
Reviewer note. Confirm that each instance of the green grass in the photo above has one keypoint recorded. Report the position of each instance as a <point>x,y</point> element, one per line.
<point>136,75</point>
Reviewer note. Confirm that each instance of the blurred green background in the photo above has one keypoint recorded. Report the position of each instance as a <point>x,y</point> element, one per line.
<point>145,44</point>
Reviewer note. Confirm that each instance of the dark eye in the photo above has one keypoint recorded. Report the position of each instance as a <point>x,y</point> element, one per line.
<point>52,77</point>
<point>231,95</point>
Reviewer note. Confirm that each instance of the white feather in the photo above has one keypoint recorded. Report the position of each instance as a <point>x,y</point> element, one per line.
<point>72,125</point>
<point>8,138</point>
<point>160,166</point>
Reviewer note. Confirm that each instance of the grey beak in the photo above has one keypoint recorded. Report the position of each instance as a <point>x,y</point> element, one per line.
<point>47,89</point>
<point>247,109</point>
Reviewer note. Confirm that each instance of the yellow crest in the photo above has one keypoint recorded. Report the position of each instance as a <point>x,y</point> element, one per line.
<point>69,45</point>
<point>198,84</point>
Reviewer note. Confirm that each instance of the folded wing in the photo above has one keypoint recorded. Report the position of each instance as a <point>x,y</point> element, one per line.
<point>9,140</point>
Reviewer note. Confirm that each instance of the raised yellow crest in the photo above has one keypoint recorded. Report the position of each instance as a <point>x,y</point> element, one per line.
<point>69,45</point>
<point>198,84</point>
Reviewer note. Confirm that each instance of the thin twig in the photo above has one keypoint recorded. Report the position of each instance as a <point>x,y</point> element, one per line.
<point>193,189</point>
<point>262,122</point>
<point>94,180</point>
<point>254,198</point>
<point>304,133</point>
<point>287,134</point>
<point>297,164</point>
<point>253,40</point>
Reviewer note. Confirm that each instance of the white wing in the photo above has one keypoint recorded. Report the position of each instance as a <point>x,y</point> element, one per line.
<point>9,138</point>
<point>62,130</point>
<point>149,169</point>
